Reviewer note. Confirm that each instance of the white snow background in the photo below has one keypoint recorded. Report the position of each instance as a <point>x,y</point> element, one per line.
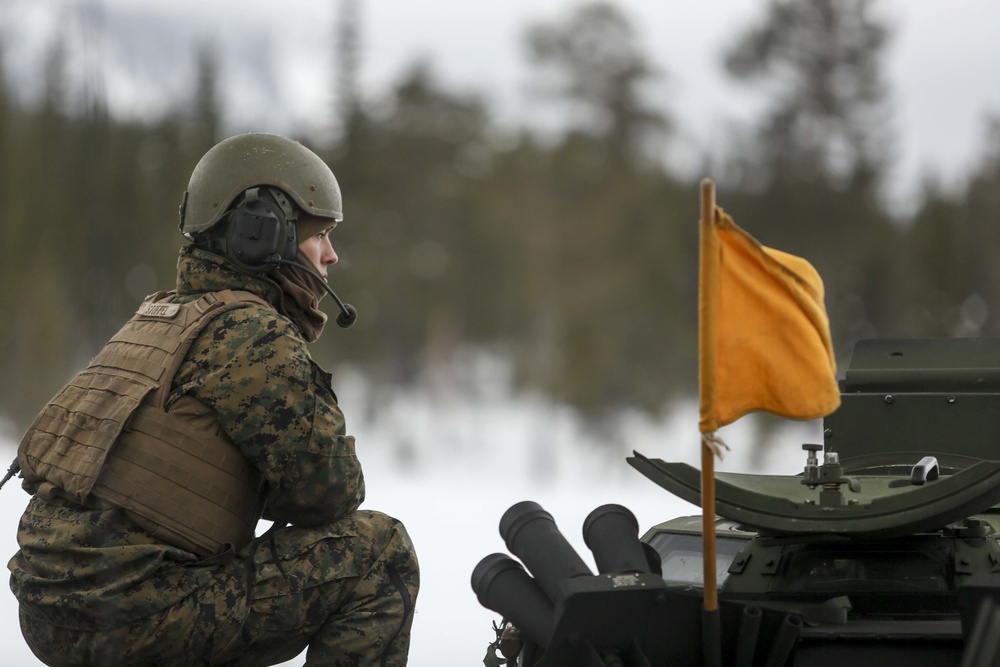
<point>450,464</point>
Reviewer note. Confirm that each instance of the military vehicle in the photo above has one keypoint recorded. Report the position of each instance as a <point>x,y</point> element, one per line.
<point>884,549</point>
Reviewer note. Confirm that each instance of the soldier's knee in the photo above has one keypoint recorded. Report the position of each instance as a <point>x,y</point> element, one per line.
<point>391,539</point>
<point>385,530</point>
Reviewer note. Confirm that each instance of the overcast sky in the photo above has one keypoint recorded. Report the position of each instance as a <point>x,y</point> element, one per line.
<point>943,64</point>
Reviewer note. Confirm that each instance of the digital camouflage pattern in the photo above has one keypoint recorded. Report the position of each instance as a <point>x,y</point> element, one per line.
<point>95,590</point>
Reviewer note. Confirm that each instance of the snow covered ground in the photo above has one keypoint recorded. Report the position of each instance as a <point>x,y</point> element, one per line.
<point>449,464</point>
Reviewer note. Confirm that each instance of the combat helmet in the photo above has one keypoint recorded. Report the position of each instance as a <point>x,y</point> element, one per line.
<point>244,161</point>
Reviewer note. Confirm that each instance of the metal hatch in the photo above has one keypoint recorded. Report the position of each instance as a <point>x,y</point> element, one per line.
<point>883,506</point>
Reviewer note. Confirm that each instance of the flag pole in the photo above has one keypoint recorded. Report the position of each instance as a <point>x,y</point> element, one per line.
<point>708,308</point>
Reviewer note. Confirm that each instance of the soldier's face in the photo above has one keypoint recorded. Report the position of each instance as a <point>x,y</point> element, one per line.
<point>319,250</point>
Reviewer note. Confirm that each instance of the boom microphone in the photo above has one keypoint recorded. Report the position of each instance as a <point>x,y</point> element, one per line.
<point>348,314</point>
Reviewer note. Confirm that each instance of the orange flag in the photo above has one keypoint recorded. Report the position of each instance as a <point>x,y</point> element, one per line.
<point>764,333</point>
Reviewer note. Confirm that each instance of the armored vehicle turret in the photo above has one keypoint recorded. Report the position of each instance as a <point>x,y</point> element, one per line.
<point>883,548</point>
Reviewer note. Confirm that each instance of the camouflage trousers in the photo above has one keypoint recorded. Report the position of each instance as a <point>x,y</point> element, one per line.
<point>345,592</point>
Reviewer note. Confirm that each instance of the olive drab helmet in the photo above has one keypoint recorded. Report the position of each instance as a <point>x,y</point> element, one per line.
<point>245,161</point>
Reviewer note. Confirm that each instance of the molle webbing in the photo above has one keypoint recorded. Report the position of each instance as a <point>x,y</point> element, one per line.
<point>106,437</point>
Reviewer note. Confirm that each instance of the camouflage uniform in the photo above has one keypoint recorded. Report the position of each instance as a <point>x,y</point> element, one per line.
<point>94,589</point>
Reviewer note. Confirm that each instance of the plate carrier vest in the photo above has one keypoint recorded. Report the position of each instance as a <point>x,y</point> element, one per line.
<point>106,439</point>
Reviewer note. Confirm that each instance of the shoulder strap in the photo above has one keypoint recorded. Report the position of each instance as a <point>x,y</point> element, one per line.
<point>208,307</point>
<point>152,346</point>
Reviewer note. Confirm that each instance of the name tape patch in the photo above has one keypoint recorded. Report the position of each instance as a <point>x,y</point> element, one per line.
<point>164,310</point>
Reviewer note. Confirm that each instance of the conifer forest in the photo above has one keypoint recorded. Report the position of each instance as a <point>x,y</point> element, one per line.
<point>572,255</point>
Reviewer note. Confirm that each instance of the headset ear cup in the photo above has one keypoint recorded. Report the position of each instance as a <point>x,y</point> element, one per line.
<point>256,234</point>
